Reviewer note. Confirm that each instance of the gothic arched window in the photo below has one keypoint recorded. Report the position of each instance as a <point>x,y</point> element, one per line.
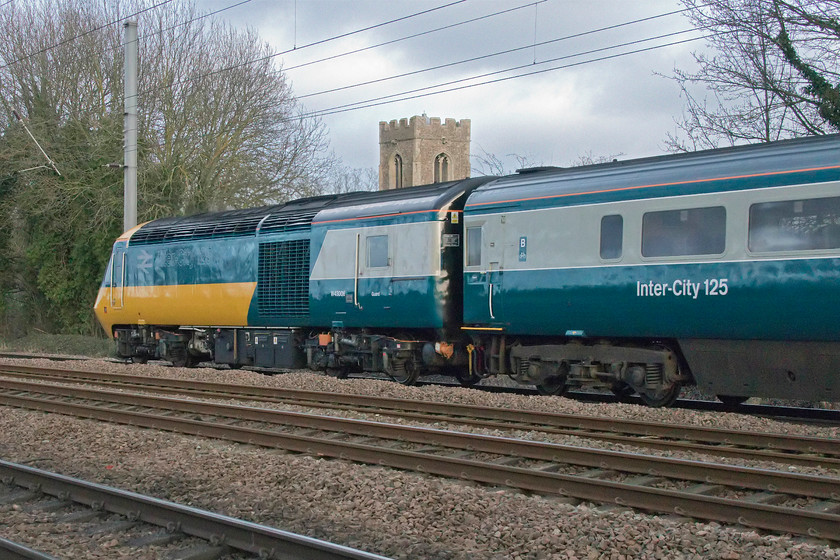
<point>397,173</point>
<point>442,168</point>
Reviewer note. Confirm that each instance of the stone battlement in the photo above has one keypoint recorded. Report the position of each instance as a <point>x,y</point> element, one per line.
<point>423,125</point>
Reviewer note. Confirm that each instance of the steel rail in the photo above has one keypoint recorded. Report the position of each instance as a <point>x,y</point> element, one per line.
<point>51,357</point>
<point>785,448</point>
<point>267,542</point>
<point>777,412</point>
<point>13,551</point>
<point>759,515</point>
<point>727,475</point>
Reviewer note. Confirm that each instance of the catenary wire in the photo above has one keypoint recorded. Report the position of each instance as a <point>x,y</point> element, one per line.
<point>153,89</point>
<point>512,69</point>
<point>296,48</point>
<point>387,99</point>
<point>384,100</point>
<point>477,58</point>
<point>331,111</point>
<point>147,35</point>
<point>413,36</point>
<point>202,16</point>
<point>589,32</point>
<point>334,56</point>
<point>197,18</point>
<point>88,32</point>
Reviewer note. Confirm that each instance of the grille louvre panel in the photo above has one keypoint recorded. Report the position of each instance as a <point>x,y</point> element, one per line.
<point>283,279</point>
<point>236,227</point>
<point>297,221</point>
<point>150,235</point>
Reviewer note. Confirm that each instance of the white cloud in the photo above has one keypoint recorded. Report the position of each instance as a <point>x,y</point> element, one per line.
<point>605,107</point>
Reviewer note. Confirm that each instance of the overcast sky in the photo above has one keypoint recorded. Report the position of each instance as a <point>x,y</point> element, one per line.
<point>607,107</point>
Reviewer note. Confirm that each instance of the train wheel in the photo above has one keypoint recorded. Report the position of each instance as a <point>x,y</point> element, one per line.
<point>404,372</point>
<point>341,372</point>
<point>139,359</point>
<point>180,357</point>
<point>553,386</point>
<point>623,391</point>
<point>664,397</point>
<point>731,401</point>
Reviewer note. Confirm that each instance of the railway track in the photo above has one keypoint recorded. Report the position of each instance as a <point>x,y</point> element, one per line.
<point>142,521</point>
<point>777,411</point>
<point>765,499</point>
<point>779,448</point>
<point>10,550</point>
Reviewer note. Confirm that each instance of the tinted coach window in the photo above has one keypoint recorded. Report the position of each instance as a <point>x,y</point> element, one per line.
<point>795,225</point>
<point>693,231</point>
<point>612,236</point>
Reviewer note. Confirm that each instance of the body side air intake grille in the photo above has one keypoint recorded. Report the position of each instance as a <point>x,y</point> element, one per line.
<point>283,279</point>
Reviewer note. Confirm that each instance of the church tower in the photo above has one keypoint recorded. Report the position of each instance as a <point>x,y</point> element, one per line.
<point>421,150</point>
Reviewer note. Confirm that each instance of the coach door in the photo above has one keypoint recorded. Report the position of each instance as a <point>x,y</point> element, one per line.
<point>495,246</point>
<point>118,278</point>
<point>484,272</point>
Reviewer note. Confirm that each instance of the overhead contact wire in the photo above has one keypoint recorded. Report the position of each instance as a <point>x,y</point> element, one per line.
<point>490,55</point>
<point>79,36</point>
<point>319,42</point>
<point>382,99</point>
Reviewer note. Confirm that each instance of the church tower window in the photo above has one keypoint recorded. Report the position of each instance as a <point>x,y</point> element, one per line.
<point>442,168</point>
<point>397,175</point>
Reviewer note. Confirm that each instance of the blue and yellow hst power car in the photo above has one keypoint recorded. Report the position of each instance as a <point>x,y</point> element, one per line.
<point>343,282</point>
<point>718,268</point>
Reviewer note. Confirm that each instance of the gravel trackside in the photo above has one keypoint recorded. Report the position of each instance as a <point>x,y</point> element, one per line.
<point>393,513</point>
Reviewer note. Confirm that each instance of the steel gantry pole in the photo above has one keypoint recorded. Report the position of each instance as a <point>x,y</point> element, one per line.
<point>130,128</point>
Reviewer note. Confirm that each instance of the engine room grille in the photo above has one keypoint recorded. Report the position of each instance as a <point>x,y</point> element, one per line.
<point>283,279</point>
<point>289,221</point>
<point>194,230</point>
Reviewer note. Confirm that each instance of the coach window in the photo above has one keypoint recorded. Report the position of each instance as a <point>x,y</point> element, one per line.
<point>612,236</point>
<point>693,231</point>
<point>377,251</point>
<point>795,225</point>
<point>473,246</point>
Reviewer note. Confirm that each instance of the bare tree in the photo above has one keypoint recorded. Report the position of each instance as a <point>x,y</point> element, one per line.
<point>491,164</point>
<point>819,31</point>
<point>486,163</point>
<point>219,127</point>
<point>746,89</point>
<point>352,179</point>
<point>219,124</point>
<point>222,123</point>
<point>589,159</point>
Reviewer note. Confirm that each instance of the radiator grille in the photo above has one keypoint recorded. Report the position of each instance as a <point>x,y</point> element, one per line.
<point>193,230</point>
<point>289,221</point>
<point>283,279</point>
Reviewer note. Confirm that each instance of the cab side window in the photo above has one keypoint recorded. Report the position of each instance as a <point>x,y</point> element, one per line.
<point>377,251</point>
<point>473,246</point>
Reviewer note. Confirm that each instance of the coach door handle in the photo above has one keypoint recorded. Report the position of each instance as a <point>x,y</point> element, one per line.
<point>490,294</point>
<point>356,274</point>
